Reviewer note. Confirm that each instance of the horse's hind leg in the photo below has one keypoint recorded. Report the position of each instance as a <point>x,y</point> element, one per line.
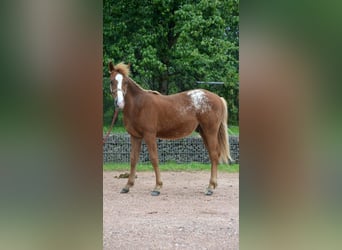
<point>153,152</point>
<point>211,143</point>
<point>135,151</point>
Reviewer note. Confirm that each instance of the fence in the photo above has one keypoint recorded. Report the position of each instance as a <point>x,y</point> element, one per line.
<point>189,149</point>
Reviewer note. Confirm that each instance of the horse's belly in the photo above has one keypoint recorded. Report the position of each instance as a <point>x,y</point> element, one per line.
<point>176,131</point>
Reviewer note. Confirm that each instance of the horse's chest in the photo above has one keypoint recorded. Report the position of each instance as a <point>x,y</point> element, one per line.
<point>133,132</point>
<point>132,128</point>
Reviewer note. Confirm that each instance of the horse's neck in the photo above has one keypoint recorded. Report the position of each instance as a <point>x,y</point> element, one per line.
<point>133,88</point>
<point>132,94</point>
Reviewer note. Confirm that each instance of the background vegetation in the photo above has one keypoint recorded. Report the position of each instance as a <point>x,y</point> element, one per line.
<point>172,44</point>
<point>170,166</point>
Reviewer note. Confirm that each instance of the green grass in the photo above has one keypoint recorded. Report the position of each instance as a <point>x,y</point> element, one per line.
<point>233,130</point>
<point>115,130</point>
<point>234,168</point>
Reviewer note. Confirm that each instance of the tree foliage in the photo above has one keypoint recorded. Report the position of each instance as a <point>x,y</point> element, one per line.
<point>171,44</point>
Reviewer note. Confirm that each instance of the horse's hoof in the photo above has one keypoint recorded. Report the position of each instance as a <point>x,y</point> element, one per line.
<point>155,193</point>
<point>124,190</point>
<point>208,192</point>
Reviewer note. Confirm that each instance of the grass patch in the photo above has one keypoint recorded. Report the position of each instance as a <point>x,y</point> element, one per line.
<point>115,130</point>
<point>234,130</point>
<point>234,168</point>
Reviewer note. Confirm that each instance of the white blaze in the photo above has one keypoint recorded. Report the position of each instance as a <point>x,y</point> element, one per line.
<point>121,102</point>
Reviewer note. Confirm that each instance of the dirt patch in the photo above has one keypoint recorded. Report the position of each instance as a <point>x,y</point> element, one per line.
<point>181,217</point>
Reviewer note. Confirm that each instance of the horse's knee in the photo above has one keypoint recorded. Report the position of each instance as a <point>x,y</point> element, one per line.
<point>154,160</point>
<point>134,159</point>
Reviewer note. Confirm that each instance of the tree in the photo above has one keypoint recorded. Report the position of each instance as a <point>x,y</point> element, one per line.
<point>171,44</point>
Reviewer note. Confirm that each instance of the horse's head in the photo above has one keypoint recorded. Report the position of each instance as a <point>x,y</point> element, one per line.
<point>118,85</point>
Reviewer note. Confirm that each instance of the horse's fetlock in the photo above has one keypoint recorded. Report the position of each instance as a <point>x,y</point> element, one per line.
<point>213,184</point>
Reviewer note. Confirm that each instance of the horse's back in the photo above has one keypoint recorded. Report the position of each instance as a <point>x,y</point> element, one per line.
<point>188,103</point>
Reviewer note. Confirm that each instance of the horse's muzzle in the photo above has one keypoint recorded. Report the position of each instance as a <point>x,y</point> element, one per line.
<point>119,104</point>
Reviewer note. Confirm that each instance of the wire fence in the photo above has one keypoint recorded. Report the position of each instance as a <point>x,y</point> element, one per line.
<point>189,149</point>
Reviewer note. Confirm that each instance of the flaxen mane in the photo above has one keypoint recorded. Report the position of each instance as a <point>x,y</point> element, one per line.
<point>122,69</point>
<point>147,90</point>
<point>155,92</point>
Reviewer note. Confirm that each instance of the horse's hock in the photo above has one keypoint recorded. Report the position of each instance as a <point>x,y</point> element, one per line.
<point>189,149</point>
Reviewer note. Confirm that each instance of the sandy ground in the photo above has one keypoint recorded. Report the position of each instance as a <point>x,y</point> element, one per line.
<point>181,217</point>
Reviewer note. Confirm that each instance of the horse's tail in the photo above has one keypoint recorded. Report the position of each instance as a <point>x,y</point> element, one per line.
<point>223,136</point>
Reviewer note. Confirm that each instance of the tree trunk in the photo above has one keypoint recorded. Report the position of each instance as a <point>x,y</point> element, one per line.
<point>164,84</point>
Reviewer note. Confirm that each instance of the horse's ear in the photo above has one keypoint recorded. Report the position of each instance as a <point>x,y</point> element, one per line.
<point>111,66</point>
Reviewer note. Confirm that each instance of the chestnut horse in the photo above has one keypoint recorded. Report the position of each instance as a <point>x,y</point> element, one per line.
<point>148,114</point>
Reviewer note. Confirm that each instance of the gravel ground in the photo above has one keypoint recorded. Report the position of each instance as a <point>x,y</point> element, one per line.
<point>181,217</point>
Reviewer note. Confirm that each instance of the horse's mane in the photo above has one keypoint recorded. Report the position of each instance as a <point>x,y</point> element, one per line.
<point>122,69</point>
<point>146,90</point>
<point>155,92</point>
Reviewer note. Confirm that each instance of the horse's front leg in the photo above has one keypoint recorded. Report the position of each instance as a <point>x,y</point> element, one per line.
<point>135,151</point>
<point>153,152</point>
